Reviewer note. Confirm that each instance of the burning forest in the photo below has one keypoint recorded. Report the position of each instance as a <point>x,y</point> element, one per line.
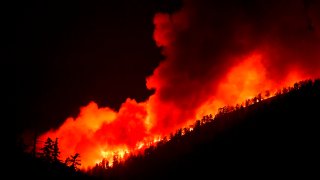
<point>216,54</point>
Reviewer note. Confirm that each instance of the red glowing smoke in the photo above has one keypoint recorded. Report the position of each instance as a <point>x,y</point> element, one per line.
<point>216,54</point>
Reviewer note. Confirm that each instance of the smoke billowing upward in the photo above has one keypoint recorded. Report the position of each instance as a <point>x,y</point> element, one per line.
<point>216,53</point>
<point>205,40</point>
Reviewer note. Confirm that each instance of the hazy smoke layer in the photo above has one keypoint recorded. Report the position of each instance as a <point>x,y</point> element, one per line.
<point>217,53</point>
<point>205,39</point>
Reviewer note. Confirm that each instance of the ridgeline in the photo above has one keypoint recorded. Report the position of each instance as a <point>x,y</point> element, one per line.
<point>275,137</point>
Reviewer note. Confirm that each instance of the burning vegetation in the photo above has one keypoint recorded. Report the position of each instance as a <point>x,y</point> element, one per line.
<point>216,55</point>
<point>262,131</point>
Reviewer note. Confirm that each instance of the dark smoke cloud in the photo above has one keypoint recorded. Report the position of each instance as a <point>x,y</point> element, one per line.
<point>201,41</point>
<point>216,53</point>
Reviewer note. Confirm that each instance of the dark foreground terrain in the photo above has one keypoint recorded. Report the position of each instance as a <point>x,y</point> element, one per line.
<point>274,138</point>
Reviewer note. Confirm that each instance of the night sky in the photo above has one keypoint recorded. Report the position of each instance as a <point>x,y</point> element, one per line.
<point>70,53</point>
<point>67,54</point>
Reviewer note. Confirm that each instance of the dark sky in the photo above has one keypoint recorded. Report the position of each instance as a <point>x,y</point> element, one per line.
<point>68,54</point>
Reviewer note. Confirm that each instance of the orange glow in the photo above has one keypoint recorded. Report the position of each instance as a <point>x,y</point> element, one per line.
<point>100,132</point>
<point>245,81</point>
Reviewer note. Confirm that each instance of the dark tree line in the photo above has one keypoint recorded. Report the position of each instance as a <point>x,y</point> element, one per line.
<point>50,151</point>
<point>265,136</point>
<point>46,162</point>
<point>51,154</point>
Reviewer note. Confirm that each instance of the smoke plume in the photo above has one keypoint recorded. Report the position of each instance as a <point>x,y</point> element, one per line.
<point>216,53</point>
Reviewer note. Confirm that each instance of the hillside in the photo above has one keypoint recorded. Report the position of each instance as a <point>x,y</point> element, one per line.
<point>277,137</point>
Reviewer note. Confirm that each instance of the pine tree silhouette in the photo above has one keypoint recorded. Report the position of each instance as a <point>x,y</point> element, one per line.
<point>56,151</point>
<point>73,161</point>
<point>47,150</point>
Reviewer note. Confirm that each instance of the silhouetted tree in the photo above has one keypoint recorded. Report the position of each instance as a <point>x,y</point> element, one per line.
<point>178,133</point>
<point>267,93</point>
<point>186,131</point>
<point>73,161</point>
<point>284,90</point>
<point>105,163</point>
<point>231,108</point>
<point>171,136</point>
<point>47,150</point>
<point>203,120</point>
<point>197,125</point>
<point>278,92</point>
<point>220,110</point>
<point>296,86</point>
<point>259,97</point>
<point>56,151</point>
<point>247,102</point>
<point>115,160</point>
<point>237,107</point>
<point>165,139</point>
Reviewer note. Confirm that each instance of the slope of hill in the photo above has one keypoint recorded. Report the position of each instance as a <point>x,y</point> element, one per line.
<point>277,137</point>
<point>26,166</point>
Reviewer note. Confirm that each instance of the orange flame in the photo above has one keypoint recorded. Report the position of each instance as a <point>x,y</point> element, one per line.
<point>100,132</point>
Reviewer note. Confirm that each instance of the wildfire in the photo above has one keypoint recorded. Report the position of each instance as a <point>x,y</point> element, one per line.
<point>191,82</point>
<point>99,133</point>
